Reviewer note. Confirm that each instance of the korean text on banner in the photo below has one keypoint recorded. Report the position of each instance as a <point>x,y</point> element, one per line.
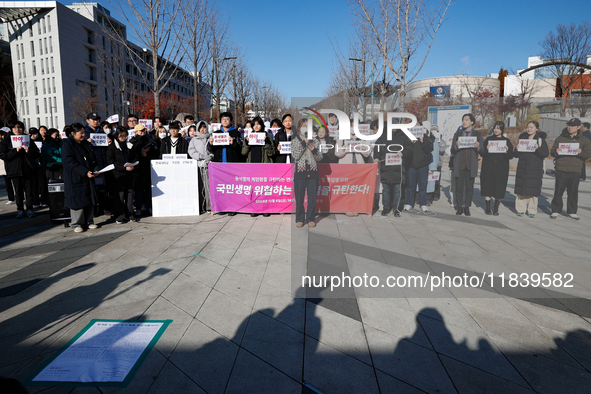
<point>20,141</point>
<point>433,176</point>
<point>113,119</point>
<point>467,142</point>
<point>256,138</point>
<point>216,126</point>
<point>273,131</point>
<point>99,139</point>
<point>147,123</point>
<point>285,148</point>
<point>569,149</point>
<point>527,145</point>
<point>497,146</point>
<point>393,159</point>
<point>333,131</point>
<point>417,131</point>
<point>221,138</point>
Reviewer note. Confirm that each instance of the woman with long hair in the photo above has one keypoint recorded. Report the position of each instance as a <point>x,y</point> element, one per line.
<point>494,173</point>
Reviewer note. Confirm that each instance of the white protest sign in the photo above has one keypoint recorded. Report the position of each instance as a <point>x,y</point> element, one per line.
<point>63,135</point>
<point>113,119</point>
<point>497,146</point>
<point>364,129</point>
<point>352,144</point>
<point>273,130</point>
<point>245,132</point>
<point>147,123</point>
<point>467,142</point>
<point>527,145</point>
<point>20,141</point>
<point>417,131</point>
<point>323,148</point>
<point>39,144</point>
<point>569,149</point>
<point>130,134</point>
<point>285,147</point>
<point>392,159</point>
<point>184,130</point>
<point>99,139</point>
<point>221,139</point>
<point>256,138</point>
<point>433,176</point>
<point>333,131</point>
<point>216,126</point>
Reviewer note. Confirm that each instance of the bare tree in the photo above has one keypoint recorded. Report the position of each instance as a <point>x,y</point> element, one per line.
<point>198,16</point>
<point>242,88</point>
<point>570,44</point>
<point>399,29</point>
<point>160,30</point>
<point>220,48</point>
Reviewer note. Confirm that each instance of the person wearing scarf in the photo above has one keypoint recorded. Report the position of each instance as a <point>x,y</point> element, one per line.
<point>198,151</point>
<point>174,143</point>
<point>119,153</point>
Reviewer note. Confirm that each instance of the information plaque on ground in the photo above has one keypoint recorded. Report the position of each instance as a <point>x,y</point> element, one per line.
<point>104,353</point>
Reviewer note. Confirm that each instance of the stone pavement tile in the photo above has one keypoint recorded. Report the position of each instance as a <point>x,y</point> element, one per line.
<point>82,390</point>
<point>226,240</point>
<point>172,380</point>
<point>500,320</point>
<point>337,331</point>
<point>218,254</point>
<point>12,368</point>
<point>386,315</point>
<point>275,343</point>
<point>278,275</point>
<point>334,372</point>
<point>388,384</point>
<point>548,317</point>
<point>172,254</point>
<point>411,363</point>
<point>544,374</point>
<point>204,270</point>
<point>225,315</point>
<point>251,375</point>
<point>281,306</point>
<point>470,347</point>
<point>576,343</point>
<point>468,379</point>
<point>30,369</point>
<point>252,267</point>
<point>240,287</point>
<point>144,377</point>
<point>255,249</point>
<point>187,293</point>
<point>161,309</point>
<point>239,229</point>
<point>206,357</point>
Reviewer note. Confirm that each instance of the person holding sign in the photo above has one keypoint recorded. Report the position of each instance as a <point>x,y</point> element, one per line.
<point>20,161</point>
<point>530,169</point>
<point>570,150</point>
<point>198,151</point>
<point>465,163</point>
<point>121,154</point>
<point>284,134</point>
<point>392,168</point>
<point>496,152</point>
<point>258,153</point>
<point>306,154</point>
<point>417,172</point>
<point>327,146</point>
<point>226,153</point>
<point>80,190</point>
<point>174,143</point>
<point>51,155</point>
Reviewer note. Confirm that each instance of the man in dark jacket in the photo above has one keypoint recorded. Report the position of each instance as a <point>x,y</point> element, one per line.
<point>417,171</point>
<point>145,149</point>
<point>283,134</point>
<point>100,153</point>
<point>568,167</point>
<point>587,134</point>
<point>392,175</point>
<point>465,164</point>
<point>21,169</point>
<point>174,143</point>
<point>226,153</point>
<point>79,164</point>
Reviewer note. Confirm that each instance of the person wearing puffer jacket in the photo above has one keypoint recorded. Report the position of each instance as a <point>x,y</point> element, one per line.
<point>119,153</point>
<point>198,151</point>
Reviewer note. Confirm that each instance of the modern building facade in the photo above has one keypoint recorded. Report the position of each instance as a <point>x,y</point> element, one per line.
<point>62,56</point>
<point>454,86</point>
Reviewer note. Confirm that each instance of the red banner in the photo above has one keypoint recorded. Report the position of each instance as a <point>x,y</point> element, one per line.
<point>346,188</point>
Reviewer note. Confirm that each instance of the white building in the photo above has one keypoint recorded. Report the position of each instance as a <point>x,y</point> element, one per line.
<point>59,52</point>
<point>454,86</point>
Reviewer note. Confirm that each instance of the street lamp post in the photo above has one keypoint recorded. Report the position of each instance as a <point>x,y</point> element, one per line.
<point>372,76</point>
<point>213,59</point>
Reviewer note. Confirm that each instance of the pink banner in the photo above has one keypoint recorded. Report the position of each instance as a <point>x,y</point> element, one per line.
<point>268,188</point>
<point>250,188</point>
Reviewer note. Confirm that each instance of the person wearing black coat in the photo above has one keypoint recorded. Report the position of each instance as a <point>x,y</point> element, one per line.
<point>226,153</point>
<point>328,145</point>
<point>530,171</point>
<point>283,134</point>
<point>494,173</point>
<point>587,134</point>
<point>174,143</point>
<point>392,176</point>
<point>119,153</point>
<point>417,171</point>
<point>79,163</point>
<point>21,169</point>
<point>465,164</point>
<point>145,149</point>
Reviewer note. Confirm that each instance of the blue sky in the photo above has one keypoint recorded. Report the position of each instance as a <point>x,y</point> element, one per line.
<point>287,42</point>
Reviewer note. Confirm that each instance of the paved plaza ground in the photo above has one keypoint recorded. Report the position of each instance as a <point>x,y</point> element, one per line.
<point>226,282</point>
